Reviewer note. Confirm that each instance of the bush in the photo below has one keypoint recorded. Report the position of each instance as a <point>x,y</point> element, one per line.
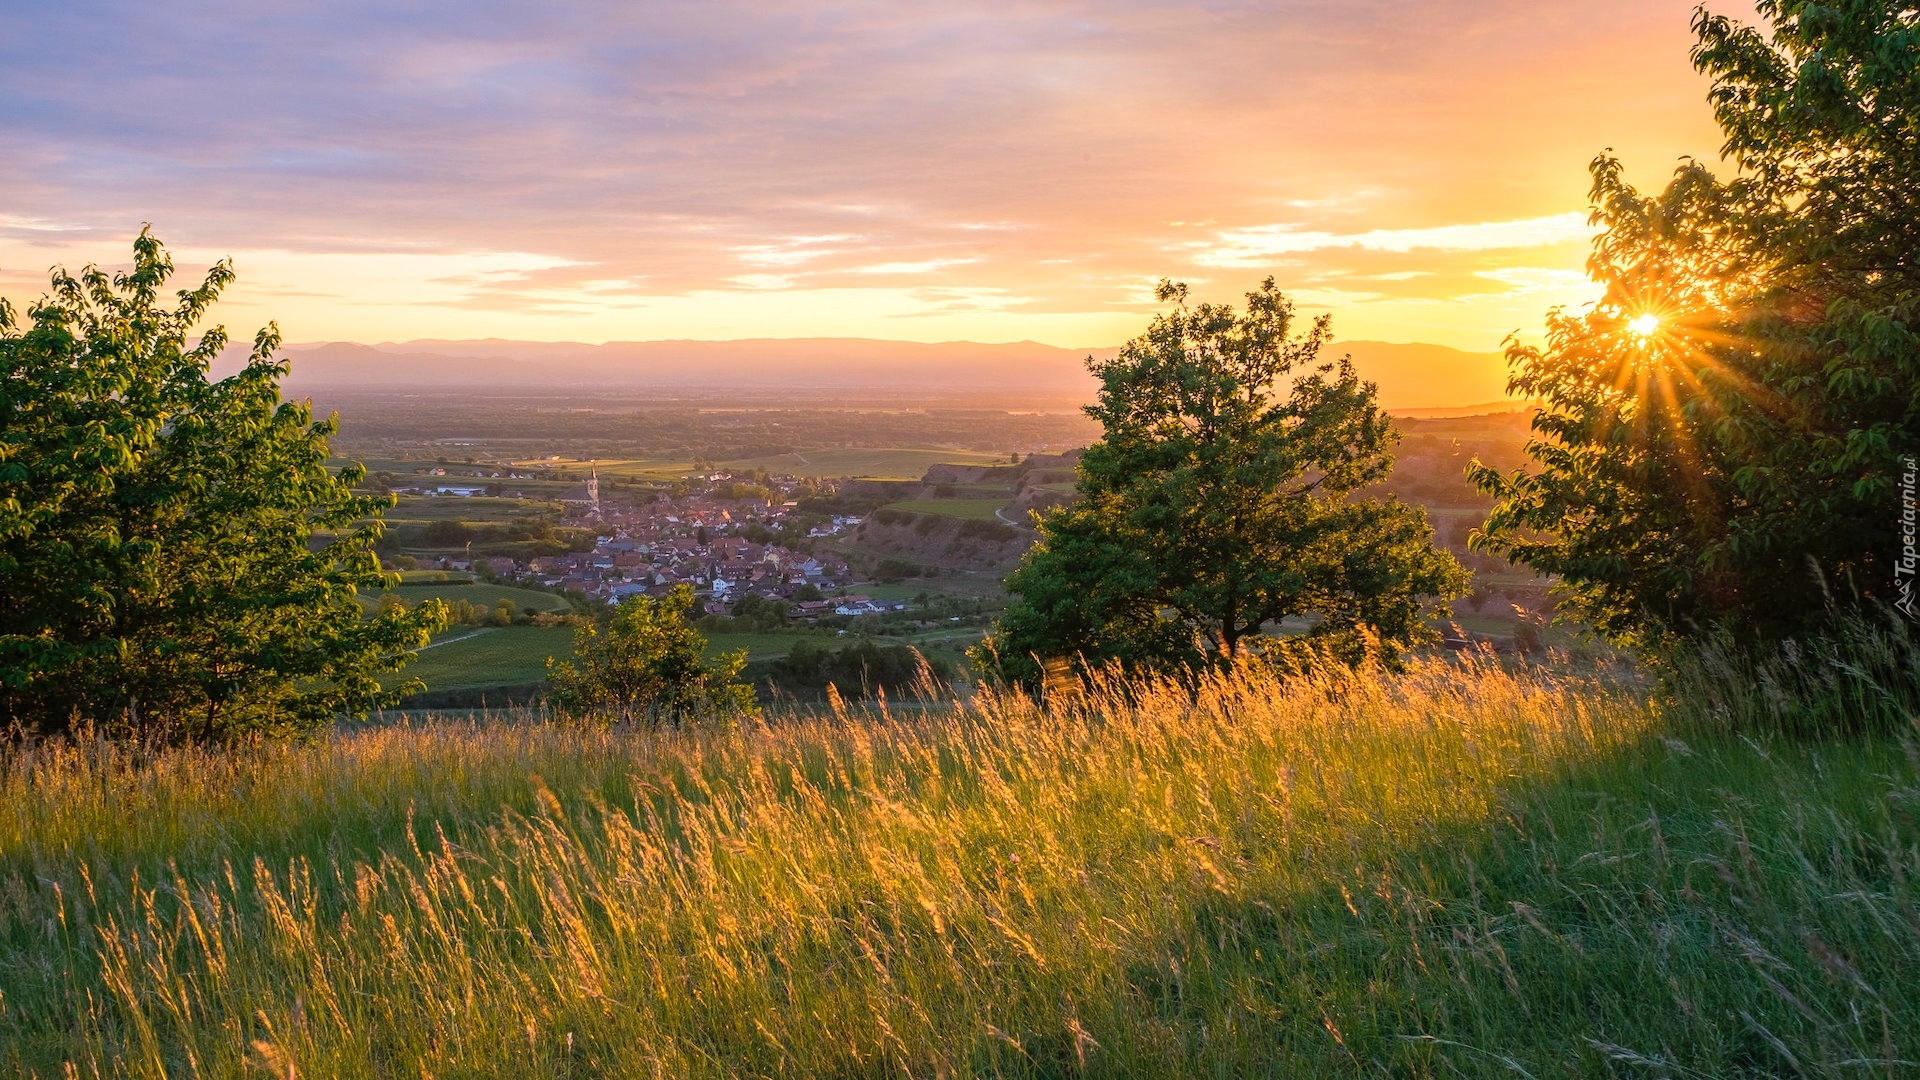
<point>982,529</point>
<point>647,666</point>
<point>446,534</point>
<point>859,669</point>
<point>754,612</point>
<point>892,570</point>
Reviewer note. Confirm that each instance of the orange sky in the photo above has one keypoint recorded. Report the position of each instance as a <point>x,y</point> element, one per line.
<point>1019,171</point>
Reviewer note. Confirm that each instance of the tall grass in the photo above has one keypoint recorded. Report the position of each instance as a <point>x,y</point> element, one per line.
<point>1862,675</point>
<point>1450,872</point>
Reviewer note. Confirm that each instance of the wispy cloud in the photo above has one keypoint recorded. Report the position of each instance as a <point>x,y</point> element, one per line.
<point>607,169</point>
<point>38,225</point>
<point>1260,245</point>
<point>924,266</point>
<point>793,251</point>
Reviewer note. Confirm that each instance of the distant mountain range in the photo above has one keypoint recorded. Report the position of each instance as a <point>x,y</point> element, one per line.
<point>815,371</point>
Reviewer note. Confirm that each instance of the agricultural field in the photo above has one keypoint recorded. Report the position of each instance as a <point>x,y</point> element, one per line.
<point>425,509</point>
<point>479,594</point>
<point>655,469</point>
<point>432,527</point>
<point>468,658</point>
<point>434,577</point>
<point>967,509</point>
<point>883,463</point>
<point>763,646</point>
<point>478,658</point>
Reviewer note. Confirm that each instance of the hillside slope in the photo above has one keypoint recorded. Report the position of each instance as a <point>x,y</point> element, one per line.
<point>1455,872</point>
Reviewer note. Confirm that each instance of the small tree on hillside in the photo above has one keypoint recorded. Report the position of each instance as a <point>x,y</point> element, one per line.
<point>176,559</point>
<point>647,665</point>
<point>1219,501</point>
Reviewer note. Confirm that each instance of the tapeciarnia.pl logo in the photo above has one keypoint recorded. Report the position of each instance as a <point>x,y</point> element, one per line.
<point>1909,560</point>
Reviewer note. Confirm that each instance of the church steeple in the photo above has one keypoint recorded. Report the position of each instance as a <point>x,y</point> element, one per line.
<point>593,489</point>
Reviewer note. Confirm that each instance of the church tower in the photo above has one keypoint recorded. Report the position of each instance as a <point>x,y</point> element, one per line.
<point>593,489</point>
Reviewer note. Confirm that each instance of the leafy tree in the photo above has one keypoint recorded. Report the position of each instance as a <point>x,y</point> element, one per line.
<point>1818,114</point>
<point>648,666</point>
<point>176,561</point>
<point>761,615</point>
<point>446,534</point>
<point>857,670</point>
<point>1724,432</point>
<point>1219,501</point>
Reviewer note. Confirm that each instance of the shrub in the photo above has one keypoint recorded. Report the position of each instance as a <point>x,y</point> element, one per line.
<point>983,529</point>
<point>891,570</point>
<point>647,666</point>
<point>857,670</point>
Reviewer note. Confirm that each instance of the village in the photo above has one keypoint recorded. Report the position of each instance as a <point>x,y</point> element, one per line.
<point>723,547</point>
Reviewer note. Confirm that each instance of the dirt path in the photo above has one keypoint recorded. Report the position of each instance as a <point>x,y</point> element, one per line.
<point>451,640</point>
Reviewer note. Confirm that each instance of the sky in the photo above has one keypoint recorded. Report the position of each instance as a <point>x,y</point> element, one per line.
<point>930,172</point>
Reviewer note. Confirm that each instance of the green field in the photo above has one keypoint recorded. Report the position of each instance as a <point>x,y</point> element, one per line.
<point>435,577</point>
<point>468,658</point>
<point>1448,872</point>
<point>659,469</point>
<point>429,508</point>
<point>900,463</point>
<point>1003,492</point>
<point>760,646</point>
<point>481,595</point>
<point>970,509</point>
<point>878,463</point>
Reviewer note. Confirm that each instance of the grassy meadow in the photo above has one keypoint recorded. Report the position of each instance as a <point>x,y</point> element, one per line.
<point>424,510</point>
<point>468,657</point>
<point>480,658</point>
<point>1452,872</point>
<point>967,509</point>
<point>478,593</point>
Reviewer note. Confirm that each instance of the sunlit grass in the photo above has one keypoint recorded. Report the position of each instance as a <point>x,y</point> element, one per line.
<point>1451,872</point>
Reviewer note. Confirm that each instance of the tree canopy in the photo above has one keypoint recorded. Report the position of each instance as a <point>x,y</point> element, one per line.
<point>1724,433</point>
<point>1220,501</point>
<point>647,665</point>
<point>176,559</point>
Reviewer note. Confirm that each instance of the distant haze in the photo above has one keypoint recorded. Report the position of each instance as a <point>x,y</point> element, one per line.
<point>815,371</point>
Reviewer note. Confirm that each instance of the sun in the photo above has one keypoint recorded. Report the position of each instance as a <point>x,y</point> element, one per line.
<point>1644,325</point>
